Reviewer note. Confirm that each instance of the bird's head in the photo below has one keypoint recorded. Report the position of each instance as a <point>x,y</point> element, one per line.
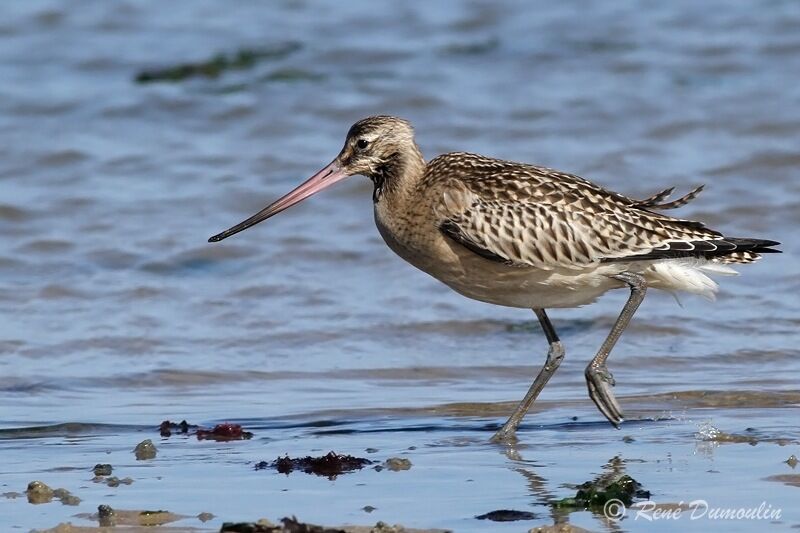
<point>373,144</point>
<point>379,147</point>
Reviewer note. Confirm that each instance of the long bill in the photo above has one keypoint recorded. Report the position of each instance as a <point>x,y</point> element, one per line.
<point>321,180</point>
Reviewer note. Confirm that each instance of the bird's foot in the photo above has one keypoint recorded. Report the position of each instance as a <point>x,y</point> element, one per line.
<point>599,380</point>
<point>506,434</point>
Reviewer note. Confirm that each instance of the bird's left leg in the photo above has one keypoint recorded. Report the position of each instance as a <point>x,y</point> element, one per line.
<point>598,378</point>
<point>555,354</point>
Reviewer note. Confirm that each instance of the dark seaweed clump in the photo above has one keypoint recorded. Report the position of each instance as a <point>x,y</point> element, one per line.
<point>330,465</point>
<point>166,428</point>
<point>289,525</point>
<point>507,515</point>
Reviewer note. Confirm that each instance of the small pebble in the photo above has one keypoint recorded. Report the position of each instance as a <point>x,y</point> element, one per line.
<point>145,450</point>
<point>114,481</point>
<point>104,511</point>
<point>106,516</point>
<point>66,497</point>
<point>102,469</point>
<point>39,492</point>
<point>383,527</point>
<point>395,464</point>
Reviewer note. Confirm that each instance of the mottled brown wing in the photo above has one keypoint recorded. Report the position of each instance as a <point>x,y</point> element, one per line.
<point>541,236</point>
<point>550,236</point>
<point>527,215</point>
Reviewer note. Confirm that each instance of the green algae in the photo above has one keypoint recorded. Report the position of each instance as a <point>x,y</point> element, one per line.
<point>596,493</point>
<point>215,66</point>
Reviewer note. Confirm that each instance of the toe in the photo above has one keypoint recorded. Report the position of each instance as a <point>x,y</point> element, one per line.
<point>599,382</point>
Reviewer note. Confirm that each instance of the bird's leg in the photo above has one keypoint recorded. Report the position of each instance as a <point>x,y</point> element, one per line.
<point>598,378</point>
<point>555,355</point>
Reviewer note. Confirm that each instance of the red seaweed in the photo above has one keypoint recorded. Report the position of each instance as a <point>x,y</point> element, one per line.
<point>221,432</point>
<point>224,432</point>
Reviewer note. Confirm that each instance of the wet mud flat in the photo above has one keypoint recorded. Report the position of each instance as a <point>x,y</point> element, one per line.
<point>408,471</point>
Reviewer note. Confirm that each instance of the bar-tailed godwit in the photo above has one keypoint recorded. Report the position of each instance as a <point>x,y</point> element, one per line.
<point>525,236</point>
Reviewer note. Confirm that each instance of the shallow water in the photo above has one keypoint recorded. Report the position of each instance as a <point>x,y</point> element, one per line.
<point>116,313</point>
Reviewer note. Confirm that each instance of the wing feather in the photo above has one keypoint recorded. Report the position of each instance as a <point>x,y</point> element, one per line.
<point>536,235</point>
<point>530,216</point>
<point>658,200</point>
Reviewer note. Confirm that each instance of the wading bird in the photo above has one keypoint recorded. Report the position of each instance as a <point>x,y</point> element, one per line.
<point>525,236</point>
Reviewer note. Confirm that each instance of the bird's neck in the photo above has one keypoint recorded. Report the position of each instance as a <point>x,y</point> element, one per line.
<point>399,175</point>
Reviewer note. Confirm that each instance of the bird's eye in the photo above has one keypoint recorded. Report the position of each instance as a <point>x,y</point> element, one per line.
<point>362,143</point>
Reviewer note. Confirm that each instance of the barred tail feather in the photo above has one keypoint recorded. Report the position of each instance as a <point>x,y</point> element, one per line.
<point>739,257</point>
<point>723,250</point>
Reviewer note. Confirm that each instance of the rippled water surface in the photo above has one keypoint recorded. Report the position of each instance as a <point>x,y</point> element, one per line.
<point>116,313</point>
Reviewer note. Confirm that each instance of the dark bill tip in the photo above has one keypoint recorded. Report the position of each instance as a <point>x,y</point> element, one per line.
<point>322,179</point>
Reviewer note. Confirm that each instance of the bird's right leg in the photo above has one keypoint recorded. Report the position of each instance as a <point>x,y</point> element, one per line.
<point>555,355</point>
<point>598,379</point>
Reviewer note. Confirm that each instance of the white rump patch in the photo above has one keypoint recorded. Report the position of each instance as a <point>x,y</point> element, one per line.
<point>687,275</point>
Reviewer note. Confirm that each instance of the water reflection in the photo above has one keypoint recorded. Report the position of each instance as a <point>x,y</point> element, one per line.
<point>601,496</point>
